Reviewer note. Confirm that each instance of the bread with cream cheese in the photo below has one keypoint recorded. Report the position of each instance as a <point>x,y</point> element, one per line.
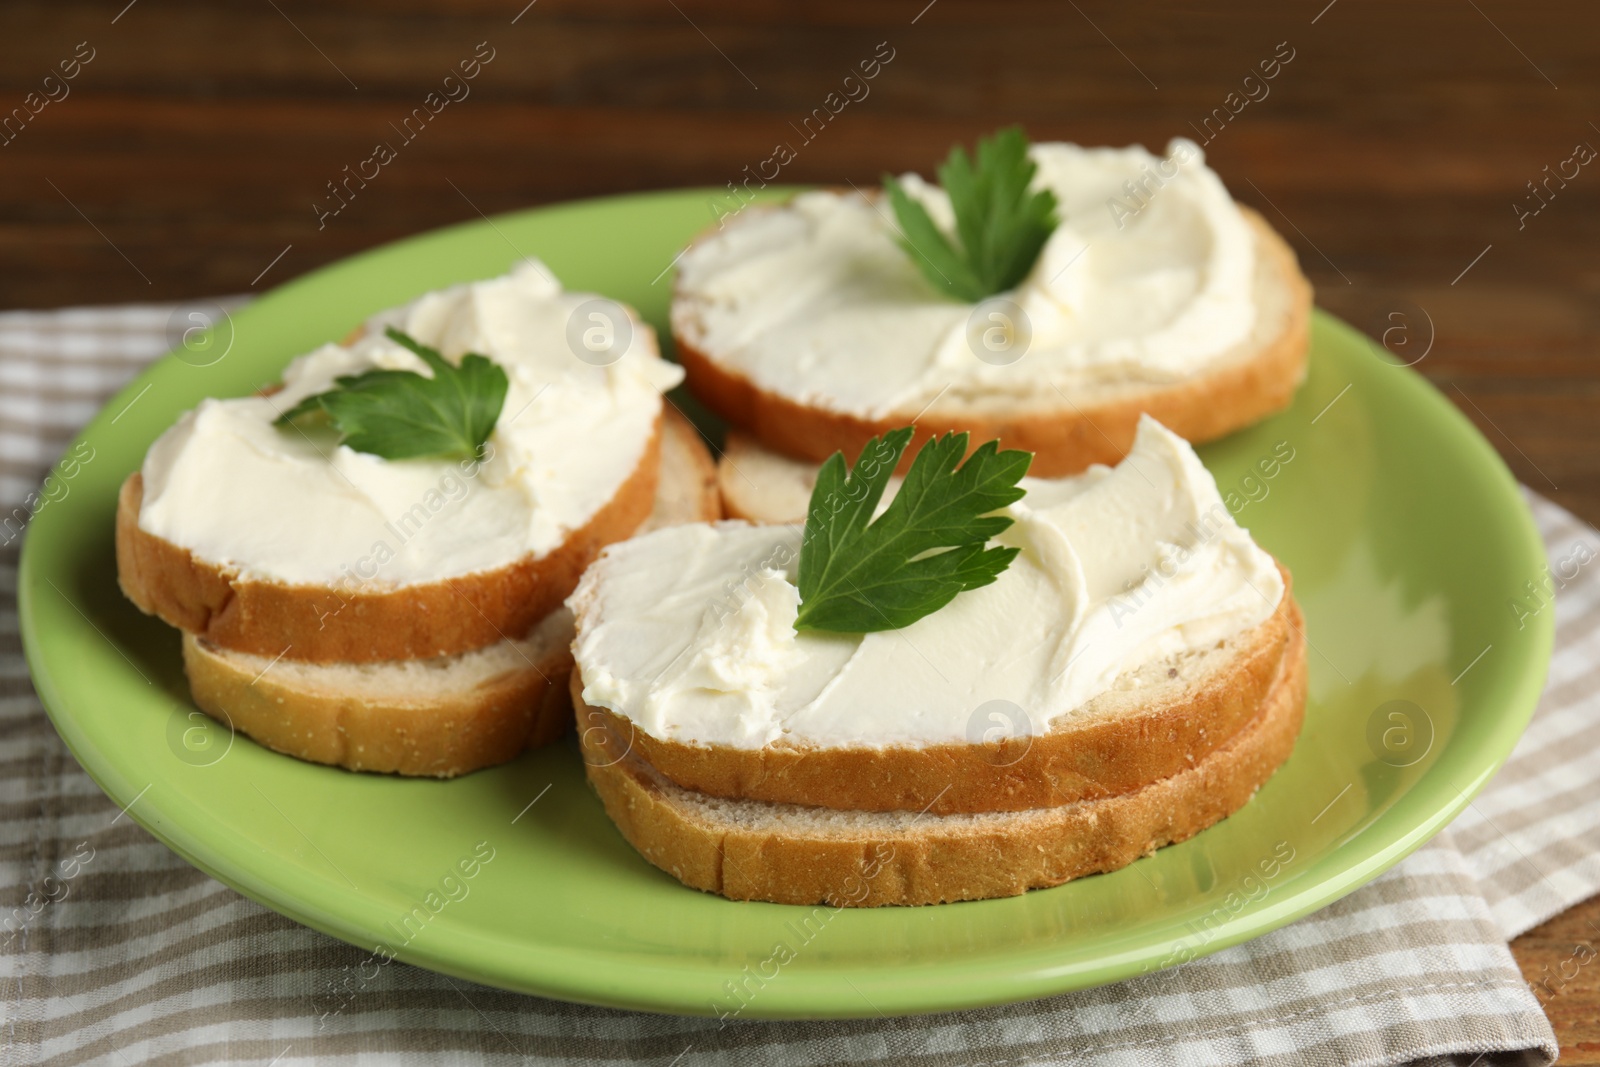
<point>1154,722</point>
<point>437,716</point>
<point>1067,432</point>
<point>327,624</point>
<point>575,465</point>
<point>807,855</point>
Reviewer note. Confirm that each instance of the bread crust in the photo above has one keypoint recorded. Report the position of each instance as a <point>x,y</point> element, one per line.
<point>325,624</point>
<point>487,725</point>
<point>1066,439</point>
<point>440,735</point>
<point>780,856</point>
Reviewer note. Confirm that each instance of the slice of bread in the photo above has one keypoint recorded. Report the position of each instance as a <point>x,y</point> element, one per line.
<point>792,854</point>
<point>687,489</point>
<point>329,623</point>
<point>760,485</point>
<point>1153,723</point>
<point>1066,433</point>
<point>440,716</point>
<point>436,717</point>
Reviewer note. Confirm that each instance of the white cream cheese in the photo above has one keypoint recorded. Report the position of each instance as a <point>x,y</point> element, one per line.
<point>289,504</point>
<point>1148,279</point>
<point>689,631</point>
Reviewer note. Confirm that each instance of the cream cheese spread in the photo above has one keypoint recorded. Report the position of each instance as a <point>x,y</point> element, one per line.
<point>1148,279</point>
<point>289,504</point>
<point>689,631</point>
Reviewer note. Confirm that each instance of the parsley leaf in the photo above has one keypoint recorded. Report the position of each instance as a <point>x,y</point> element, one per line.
<point>400,414</point>
<point>859,576</point>
<point>1000,226</point>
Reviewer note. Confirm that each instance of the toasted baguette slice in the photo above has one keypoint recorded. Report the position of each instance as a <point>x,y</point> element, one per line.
<point>791,854</point>
<point>1066,433</point>
<point>327,623</point>
<point>760,485</point>
<point>436,717</point>
<point>687,489</point>
<point>1153,723</point>
<point>440,716</point>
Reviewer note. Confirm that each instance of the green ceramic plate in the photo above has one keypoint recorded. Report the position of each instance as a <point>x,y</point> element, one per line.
<point>1405,533</point>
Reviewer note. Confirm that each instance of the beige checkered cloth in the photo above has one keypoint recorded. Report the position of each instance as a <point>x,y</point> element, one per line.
<point>150,961</point>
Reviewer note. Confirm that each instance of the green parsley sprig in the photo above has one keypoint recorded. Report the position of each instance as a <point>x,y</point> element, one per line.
<point>400,414</point>
<point>1000,225</point>
<point>860,575</point>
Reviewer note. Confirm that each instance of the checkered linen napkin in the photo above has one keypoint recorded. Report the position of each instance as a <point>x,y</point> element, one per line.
<point>148,960</point>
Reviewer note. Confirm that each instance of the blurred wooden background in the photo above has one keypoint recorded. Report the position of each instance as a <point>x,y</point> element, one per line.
<point>1393,150</point>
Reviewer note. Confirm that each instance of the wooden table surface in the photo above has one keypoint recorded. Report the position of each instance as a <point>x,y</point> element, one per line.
<point>1397,148</point>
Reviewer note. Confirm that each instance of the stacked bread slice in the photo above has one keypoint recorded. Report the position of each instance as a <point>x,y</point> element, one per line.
<point>436,715</point>
<point>1151,763</point>
<point>867,856</point>
<point>1174,743</point>
<point>447,649</point>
